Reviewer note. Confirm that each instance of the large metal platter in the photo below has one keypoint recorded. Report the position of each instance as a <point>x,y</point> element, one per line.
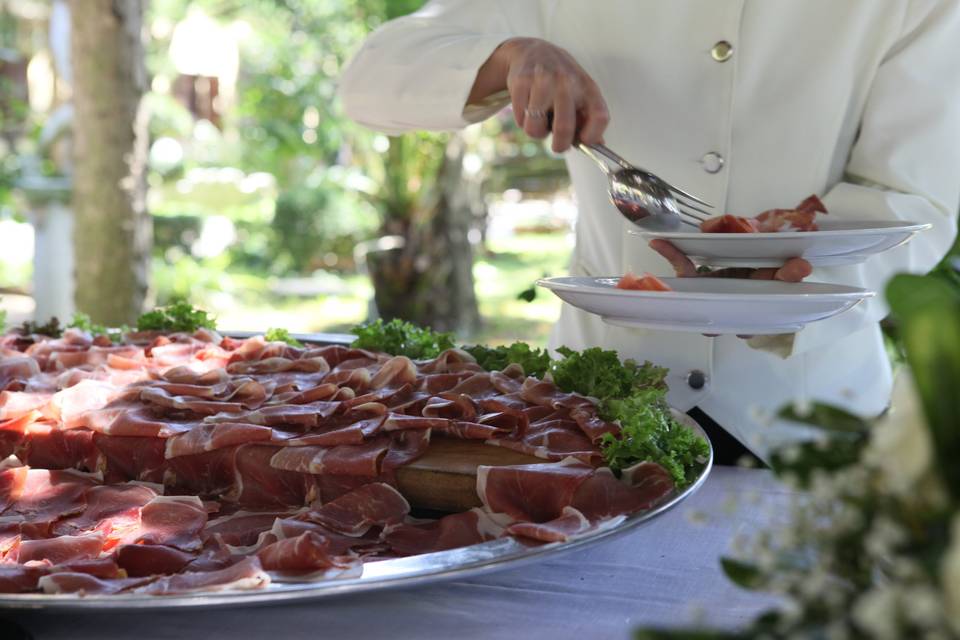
<point>428,568</point>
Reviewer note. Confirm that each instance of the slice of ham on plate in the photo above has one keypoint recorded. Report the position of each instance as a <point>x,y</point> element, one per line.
<point>644,282</point>
<point>709,305</point>
<point>800,218</point>
<point>775,236</point>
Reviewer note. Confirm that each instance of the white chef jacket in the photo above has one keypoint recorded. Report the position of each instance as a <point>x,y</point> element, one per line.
<point>855,100</point>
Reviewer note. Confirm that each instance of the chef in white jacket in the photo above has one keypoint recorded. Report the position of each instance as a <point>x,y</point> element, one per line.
<point>750,104</point>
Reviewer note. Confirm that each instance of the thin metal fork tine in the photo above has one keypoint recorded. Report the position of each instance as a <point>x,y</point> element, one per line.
<point>684,210</point>
<point>687,195</point>
<point>690,220</point>
<point>686,204</point>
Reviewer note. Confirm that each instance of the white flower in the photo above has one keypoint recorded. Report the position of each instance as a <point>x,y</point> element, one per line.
<point>950,572</point>
<point>900,445</point>
<point>876,613</point>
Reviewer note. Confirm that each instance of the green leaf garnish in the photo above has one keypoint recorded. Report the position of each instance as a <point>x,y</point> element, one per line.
<point>281,335</point>
<point>401,338</point>
<point>52,328</point>
<point>535,362</point>
<point>180,316</point>
<point>83,322</point>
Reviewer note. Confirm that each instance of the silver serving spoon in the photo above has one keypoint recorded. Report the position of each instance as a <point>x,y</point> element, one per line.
<point>643,198</point>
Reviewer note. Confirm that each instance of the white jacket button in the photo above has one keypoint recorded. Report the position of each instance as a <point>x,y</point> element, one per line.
<point>712,162</point>
<point>721,51</point>
<point>697,379</point>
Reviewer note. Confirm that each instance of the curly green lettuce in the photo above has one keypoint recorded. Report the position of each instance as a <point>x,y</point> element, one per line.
<point>535,362</point>
<point>401,338</point>
<point>281,335</point>
<point>180,316</point>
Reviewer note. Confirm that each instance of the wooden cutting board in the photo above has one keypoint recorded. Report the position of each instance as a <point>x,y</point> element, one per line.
<point>445,477</point>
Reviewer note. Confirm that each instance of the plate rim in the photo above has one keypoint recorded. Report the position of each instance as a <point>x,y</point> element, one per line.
<point>850,293</point>
<point>898,227</point>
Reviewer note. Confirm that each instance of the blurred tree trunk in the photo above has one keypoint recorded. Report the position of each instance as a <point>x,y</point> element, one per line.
<point>429,280</point>
<point>112,229</point>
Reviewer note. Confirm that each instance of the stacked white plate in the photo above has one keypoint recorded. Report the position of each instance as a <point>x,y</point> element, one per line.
<point>836,243</point>
<point>744,307</point>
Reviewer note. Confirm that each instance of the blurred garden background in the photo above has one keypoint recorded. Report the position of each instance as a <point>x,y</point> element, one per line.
<point>243,188</point>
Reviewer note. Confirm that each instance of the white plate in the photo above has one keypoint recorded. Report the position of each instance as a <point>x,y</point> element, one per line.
<point>836,243</point>
<point>709,305</point>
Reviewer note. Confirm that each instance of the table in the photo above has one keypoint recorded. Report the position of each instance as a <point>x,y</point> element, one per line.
<point>664,574</point>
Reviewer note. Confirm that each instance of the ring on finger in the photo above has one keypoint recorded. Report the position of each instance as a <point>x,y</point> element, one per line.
<point>534,113</point>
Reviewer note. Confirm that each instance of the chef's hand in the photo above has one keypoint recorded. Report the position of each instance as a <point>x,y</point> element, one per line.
<point>793,270</point>
<point>542,79</point>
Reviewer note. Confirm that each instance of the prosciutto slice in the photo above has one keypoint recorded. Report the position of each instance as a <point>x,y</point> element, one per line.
<point>141,560</point>
<point>352,514</point>
<point>245,575</point>
<point>61,549</point>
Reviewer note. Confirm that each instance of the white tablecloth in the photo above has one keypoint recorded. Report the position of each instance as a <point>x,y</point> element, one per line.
<point>664,574</point>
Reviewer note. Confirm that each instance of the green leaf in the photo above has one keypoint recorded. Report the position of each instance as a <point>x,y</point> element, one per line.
<point>528,295</point>
<point>180,316</point>
<point>802,459</point>
<point>401,338</point>
<point>741,573</point>
<point>535,362</point>
<point>827,417</point>
<point>52,328</point>
<point>281,335</point>
<point>927,309</point>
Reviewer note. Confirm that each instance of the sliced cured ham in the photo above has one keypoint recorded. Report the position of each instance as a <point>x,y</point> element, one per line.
<point>643,282</point>
<point>535,492</point>
<point>308,552</point>
<point>352,514</point>
<point>569,524</point>
<point>104,502</point>
<point>800,218</point>
<point>141,560</point>
<point>86,584</point>
<point>175,521</point>
<point>244,575</point>
<point>18,578</point>
<point>212,436</point>
<point>40,495</point>
<point>61,549</point>
<point>449,532</point>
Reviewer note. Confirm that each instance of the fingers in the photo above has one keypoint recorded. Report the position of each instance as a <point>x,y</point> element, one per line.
<point>564,118</point>
<point>596,117</point>
<point>681,264</point>
<point>794,270</point>
<point>519,87</point>
<point>539,104</point>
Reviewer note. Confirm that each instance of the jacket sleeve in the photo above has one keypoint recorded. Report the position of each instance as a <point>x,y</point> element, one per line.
<point>905,164</point>
<point>416,72</point>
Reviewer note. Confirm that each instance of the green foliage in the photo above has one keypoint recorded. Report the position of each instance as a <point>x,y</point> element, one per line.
<point>535,362</point>
<point>281,335</point>
<point>180,316</point>
<point>401,338</point>
<point>528,295</point>
<point>648,431</point>
<point>83,322</point>
<point>927,309</point>
<point>51,328</point>
<point>3,320</point>
<point>635,396</point>
<point>315,220</point>
<point>598,373</point>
